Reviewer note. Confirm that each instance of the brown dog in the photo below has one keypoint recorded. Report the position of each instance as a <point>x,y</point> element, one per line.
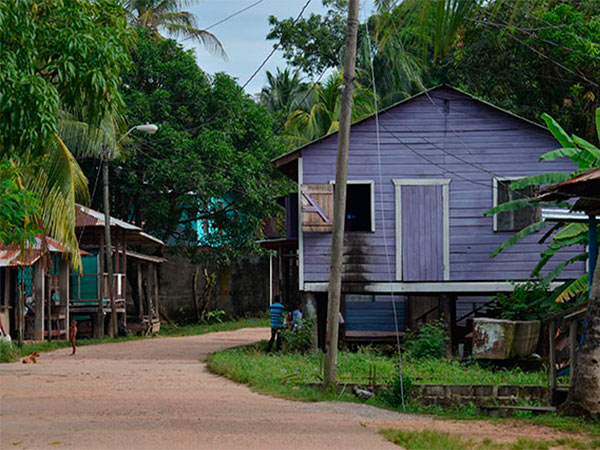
<point>73,335</point>
<point>31,359</point>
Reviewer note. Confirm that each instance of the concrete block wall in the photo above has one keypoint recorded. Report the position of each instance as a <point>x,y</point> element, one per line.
<point>241,287</point>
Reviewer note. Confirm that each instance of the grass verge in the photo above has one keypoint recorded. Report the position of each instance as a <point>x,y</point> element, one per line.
<point>10,352</point>
<point>428,439</point>
<point>286,376</point>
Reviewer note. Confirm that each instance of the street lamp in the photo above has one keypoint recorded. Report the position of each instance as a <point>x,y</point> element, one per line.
<point>146,128</point>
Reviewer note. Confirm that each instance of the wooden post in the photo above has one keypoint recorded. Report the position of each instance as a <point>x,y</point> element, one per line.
<point>140,291</point>
<point>108,255</point>
<point>101,273</point>
<point>552,357</point>
<point>39,290</point>
<point>63,289</point>
<point>339,209</point>
<point>155,272</point>
<point>149,293</point>
<point>124,265</point>
<point>49,302</point>
<point>572,349</point>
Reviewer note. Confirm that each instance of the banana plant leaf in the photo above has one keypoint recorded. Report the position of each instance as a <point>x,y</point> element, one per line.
<point>553,248</point>
<point>574,289</point>
<point>558,269</point>
<point>557,131</point>
<point>571,230</point>
<point>541,179</point>
<point>530,229</point>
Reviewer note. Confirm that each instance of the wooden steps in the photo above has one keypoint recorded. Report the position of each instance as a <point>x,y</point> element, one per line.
<point>505,411</point>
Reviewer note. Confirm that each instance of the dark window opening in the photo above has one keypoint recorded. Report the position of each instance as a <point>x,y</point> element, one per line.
<point>515,220</point>
<point>358,207</point>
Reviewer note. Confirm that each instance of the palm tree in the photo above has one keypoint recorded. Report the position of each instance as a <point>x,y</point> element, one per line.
<point>58,181</point>
<point>319,114</point>
<point>166,14</point>
<point>283,90</point>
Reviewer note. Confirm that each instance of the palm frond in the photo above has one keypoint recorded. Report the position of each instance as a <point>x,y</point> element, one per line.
<point>206,38</point>
<point>59,182</point>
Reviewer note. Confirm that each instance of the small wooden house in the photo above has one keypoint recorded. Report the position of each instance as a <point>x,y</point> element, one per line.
<point>40,276</point>
<point>90,299</point>
<point>420,177</point>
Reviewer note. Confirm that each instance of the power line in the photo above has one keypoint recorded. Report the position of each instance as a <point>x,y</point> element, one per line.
<point>385,242</point>
<point>231,16</point>
<point>275,47</point>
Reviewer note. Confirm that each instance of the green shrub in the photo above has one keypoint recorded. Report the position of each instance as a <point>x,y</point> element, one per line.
<point>215,316</point>
<point>429,342</point>
<point>393,394</point>
<point>300,340</point>
<point>8,352</point>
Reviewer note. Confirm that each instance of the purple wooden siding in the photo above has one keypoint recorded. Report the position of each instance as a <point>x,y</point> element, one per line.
<point>486,140</point>
<point>422,234</point>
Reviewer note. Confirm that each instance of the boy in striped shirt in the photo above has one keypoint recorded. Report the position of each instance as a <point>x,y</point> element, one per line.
<point>277,314</point>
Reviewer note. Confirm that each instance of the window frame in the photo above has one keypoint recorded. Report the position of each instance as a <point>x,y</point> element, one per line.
<point>495,186</point>
<point>372,201</point>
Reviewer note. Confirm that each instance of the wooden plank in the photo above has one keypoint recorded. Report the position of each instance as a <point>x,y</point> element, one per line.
<point>155,282</point>
<point>552,356</point>
<point>140,291</point>
<point>317,207</point>
<point>39,295</point>
<point>572,349</point>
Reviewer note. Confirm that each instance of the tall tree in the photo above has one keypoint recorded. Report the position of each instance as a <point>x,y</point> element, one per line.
<point>319,114</point>
<point>208,165</point>
<point>315,44</point>
<point>158,15</point>
<point>283,92</point>
<point>57,57</point>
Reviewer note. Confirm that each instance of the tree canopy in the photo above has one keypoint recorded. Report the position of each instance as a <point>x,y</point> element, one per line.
<point>209,160</point>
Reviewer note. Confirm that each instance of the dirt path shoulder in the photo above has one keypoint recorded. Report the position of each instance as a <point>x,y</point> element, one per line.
<point>155,394</point>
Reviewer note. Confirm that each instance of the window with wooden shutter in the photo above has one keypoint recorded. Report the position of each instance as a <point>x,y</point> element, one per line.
<point>513,220</point>
<point>317,207</point>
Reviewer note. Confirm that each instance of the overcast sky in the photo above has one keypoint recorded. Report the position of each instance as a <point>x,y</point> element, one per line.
<point>244,36</point>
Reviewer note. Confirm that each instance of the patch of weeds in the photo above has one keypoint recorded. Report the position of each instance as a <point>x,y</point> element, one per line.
<point>300,340</point>
<point>425,440</point>
<point>428,342</point>
<point>9,352</point>
<point>429,439</point>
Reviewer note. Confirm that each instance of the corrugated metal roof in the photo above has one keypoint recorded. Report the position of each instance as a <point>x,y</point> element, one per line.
<point>564,215</point>
<point>586,186</point>
<point>10,255</point>
<point>87,217</point>
<point>143,257</point>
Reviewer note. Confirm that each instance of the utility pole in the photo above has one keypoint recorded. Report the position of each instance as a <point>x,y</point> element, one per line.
<point>112,332</point>
<point>339,198</point>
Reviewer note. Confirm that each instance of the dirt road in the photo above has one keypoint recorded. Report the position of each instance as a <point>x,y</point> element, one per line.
<point>156,394</point>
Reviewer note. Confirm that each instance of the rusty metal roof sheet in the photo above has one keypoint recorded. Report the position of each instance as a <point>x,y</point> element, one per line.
<point>586,186</point>
<point>10,255</point>
<point>87,217</point>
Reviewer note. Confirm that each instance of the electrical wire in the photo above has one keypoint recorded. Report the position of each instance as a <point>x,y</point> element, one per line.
<point>385,242</point>
<point>275,47</point>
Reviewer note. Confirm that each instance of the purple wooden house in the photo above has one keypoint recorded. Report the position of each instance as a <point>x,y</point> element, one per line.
<point>416,234</point>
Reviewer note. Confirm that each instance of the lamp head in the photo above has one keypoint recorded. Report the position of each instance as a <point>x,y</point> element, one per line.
<point>147,128</point>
